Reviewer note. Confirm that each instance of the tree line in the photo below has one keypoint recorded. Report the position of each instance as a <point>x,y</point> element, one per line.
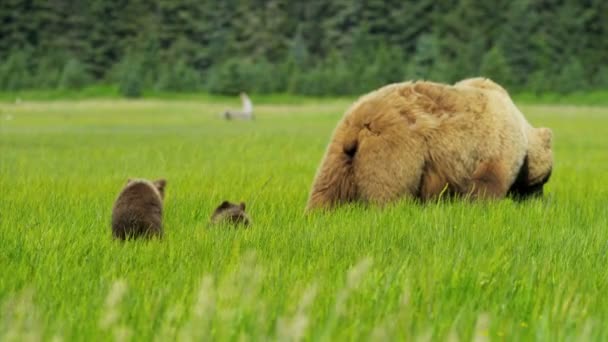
<point>338,47</point>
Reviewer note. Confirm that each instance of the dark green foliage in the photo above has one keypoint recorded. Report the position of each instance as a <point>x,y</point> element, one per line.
<point>523,41</point>
<point>178,76</point>
<point>540,81</point>
<point>571,78</point>
<point>333,77</point>
<point>384,65</point>
<point>428,62</point>
<point>15,73</point>
<point>228,78</point>
<point>266,77</point>
<point>495,66</point>
<point>74,75</point>
<point>131,76</point>
<point>49,70</point>
<point>601,78</point>
<point>334,47</point>
<point>237,75</point>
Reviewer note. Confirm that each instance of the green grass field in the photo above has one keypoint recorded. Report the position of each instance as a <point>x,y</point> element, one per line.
<point>456,271</point>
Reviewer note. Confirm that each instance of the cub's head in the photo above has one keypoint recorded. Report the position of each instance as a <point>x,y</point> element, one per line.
<point>230,213</point>
<point>158,185</point>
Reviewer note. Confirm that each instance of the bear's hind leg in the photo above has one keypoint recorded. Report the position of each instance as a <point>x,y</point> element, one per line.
<point>489,181</point>
<point>389,165</point>
<point>433,185</point>
<point>334,182</point>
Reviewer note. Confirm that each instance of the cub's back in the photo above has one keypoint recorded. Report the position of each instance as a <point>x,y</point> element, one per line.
<point>137,211</point>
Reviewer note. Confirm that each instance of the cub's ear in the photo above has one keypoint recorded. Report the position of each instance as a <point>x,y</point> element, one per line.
<point>546,135</point>
<point>129,180</point>
<point>160,185</point>
<point>224,205</point>
<point>242,206</point>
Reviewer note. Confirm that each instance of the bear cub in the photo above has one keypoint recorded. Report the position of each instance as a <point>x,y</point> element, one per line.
<point>230,213</point>
<point>138,210</point>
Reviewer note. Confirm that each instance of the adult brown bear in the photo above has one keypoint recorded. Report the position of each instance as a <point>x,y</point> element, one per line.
<point>422,139</point>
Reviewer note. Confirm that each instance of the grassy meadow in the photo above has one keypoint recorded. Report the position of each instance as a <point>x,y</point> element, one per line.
<point>536,270</point>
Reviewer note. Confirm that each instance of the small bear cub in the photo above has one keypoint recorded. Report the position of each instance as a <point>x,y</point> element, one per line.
<point>138,210</point>
<point>230,213</point>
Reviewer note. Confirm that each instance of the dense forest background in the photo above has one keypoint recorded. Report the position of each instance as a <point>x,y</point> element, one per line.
<point>336,47</point>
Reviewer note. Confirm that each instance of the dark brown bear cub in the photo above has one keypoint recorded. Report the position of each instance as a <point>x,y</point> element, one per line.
<point>138,210</point>
<point>230,213</point>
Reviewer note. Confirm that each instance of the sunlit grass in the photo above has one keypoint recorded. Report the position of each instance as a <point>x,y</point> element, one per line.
<point>504,270</point>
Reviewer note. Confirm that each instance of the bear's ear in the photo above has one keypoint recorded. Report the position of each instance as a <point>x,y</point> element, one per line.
<point>129,180</point>
<point>160,185</point>
<point>224,205</point>
<point>546,135</point>
<point>242,206</point>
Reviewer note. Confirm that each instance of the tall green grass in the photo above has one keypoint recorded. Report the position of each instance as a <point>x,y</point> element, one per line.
<point>503,270</point>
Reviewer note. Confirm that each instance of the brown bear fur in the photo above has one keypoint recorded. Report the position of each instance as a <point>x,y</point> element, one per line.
<point>424,139</point>
<point>538,163</point>
<point>138,210</point>
<point>231,213</point>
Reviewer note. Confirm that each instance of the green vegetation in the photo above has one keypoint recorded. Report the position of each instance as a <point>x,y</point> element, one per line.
<point>317,48</point>
<point>504,270</point>
<point>595,97</point>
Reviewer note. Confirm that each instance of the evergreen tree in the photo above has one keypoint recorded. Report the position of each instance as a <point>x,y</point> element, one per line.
<point>182,35</point>
<point>595,52</point>
<point>427,62</point>
<point>466,31</point>
<point>520,51</point>
<point>319,47</point>
<point>103,47</point>
<point>260,30</point>
<point>571,78</point>
<point>341,24</point>
<point>130,75</point>
<point>601,78</point>
<point>495,66</point>
<point>15,31</point>
<point>15,73</point>
<point>408,21</point>
<point>74,75</point>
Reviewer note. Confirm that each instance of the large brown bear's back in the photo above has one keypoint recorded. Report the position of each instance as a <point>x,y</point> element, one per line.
<point>416,139</point>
